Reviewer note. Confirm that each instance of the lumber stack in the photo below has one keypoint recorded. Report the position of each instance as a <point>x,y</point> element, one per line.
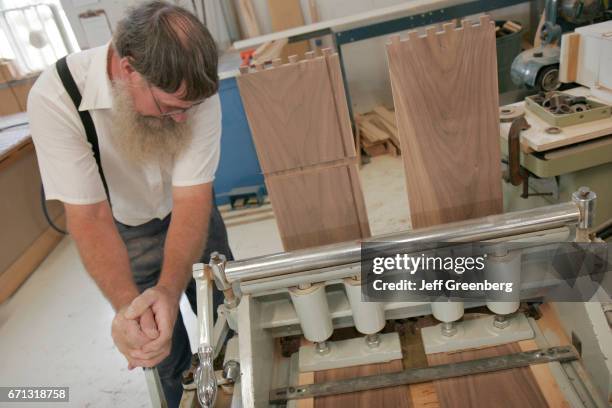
<point>378,132</point>
<point>300,124</point>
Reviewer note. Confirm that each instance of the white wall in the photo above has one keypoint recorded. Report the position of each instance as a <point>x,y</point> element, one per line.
<point>366,61</point>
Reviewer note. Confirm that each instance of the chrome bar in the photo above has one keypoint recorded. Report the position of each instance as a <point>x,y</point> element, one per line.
<point>259,286</point>
<point>480,229</point>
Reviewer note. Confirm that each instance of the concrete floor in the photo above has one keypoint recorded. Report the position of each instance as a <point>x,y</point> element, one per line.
<point>55,331</point>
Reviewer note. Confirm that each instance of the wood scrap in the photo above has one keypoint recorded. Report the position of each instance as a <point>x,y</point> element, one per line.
<point>568,66</point>
<point>378,135</point>
<point>511,26</point>
<point>371,132</point>
<point>391,129</point>
<point>286,14</point>
<point>386,114</point>
<point>316,43</point>
<point>248,19</point>
<point>314,11</point>
<point>537,39</point>
<point>269,51</point>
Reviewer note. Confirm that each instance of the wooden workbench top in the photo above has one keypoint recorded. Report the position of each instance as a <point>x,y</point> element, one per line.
<point>16,134</point>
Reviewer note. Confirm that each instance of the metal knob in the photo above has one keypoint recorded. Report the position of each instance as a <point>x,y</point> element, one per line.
<point>585,199</point>
<point>217,264</point>
<point>231,371</point>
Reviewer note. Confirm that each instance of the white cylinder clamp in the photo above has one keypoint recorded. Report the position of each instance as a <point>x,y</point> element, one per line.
<point>369,317</point>
<point>447,311</point>
<point>313,311</point>
<point>504,269</point>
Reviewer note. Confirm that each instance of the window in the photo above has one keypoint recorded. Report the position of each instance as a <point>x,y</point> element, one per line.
<point>34,33</point>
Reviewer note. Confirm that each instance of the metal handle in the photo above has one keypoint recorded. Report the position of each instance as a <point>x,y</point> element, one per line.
<point>206,381</point>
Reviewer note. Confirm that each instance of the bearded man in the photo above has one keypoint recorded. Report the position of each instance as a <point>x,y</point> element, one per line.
<point>128,138</point>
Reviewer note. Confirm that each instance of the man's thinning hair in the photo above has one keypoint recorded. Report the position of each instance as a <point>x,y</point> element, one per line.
<point>167,45</point>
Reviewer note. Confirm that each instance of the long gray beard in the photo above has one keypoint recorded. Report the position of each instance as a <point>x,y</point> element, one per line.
<point>143,139</point>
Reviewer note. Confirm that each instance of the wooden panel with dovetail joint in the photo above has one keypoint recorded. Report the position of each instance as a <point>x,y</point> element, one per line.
<point>298,115</point>
<point>446,104</point>
<point>319,206</point>
<point>297,112</point>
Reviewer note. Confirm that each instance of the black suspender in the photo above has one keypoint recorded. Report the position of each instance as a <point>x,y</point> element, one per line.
<point>90,130</point>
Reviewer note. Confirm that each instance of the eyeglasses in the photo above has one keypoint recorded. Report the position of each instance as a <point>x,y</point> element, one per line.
<point>172,112</point>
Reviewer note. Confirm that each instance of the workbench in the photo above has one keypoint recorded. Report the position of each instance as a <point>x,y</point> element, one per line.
<point>26,236</point>
<point>581,155</point>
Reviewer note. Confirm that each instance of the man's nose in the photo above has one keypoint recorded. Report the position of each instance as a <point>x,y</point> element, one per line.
<point>179,117</point>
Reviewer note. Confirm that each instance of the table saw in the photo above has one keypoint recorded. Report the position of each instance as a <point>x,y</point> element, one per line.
<point>297,315</point>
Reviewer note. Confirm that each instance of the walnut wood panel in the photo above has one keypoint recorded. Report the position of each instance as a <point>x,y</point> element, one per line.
<point>318,207</point>
<point>341,104</point>
<point>446,104</point>
<point>392,397</point>
<point>509,388</point>
<point>293,112</point>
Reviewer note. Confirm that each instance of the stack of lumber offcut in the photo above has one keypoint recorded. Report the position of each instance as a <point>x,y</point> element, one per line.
<point>378,132</point>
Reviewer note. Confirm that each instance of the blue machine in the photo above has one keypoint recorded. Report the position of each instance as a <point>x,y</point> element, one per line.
<point>238,166</point>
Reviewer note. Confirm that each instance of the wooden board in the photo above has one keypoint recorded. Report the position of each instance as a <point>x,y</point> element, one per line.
<point>295,117</point>
<point>269,51</point>
<point>248,19</point>
<point>446,104</point>
<point>285,14</point>
<point>319,206</point>
<point>545,379</point>
<point>510,388</point>
<point>300,124</point>
<point>568,64</point>
<point>536,139</point>
<point>392,397</point>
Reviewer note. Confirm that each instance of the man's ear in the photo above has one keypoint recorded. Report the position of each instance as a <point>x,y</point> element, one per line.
<point>126,69</point>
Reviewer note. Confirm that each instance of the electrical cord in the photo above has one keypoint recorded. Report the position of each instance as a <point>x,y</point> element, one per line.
<point>13,126</point>
<point>43,202</point>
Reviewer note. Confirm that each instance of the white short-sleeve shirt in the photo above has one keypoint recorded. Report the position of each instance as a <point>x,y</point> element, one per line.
<point>138,193</point>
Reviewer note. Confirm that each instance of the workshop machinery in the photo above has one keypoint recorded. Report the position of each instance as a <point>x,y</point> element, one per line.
<point>538,67</point>
<point>554,161</point>
<point>564,140</point>
<point>315,292</point>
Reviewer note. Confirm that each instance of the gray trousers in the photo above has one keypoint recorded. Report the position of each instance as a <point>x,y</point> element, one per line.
<point>145,246</point>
